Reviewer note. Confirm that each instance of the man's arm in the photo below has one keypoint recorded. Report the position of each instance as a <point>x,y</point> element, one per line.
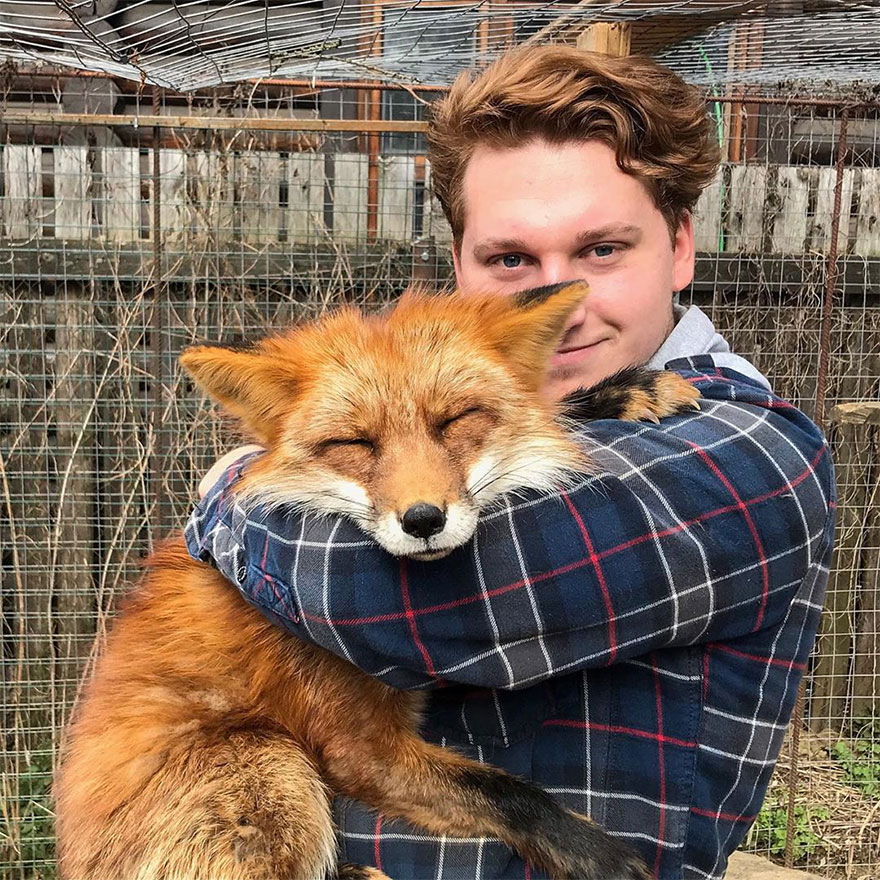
<point>699,529</point>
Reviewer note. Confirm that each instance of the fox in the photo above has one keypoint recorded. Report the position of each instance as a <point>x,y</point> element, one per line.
<point>208,743</point>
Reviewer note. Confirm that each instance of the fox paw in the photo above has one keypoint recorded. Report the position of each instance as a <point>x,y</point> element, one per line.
<point>670,394</point>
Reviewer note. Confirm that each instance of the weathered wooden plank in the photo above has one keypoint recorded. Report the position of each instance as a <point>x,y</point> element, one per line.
<point>435,224</point>
<point>820,228</point>
<point>22,202</point>
<point>748,187</point>
<point>259,177</point>
<point>707,217</point>
<point>867,243</point>
<point>396,189</point>
<point>350,196</point>
<point>73,193</point>
<point>304,220</point>
<point>787,206</point>
<point>122,194</point>
<point>211,205</point>
<point>174,214</point>
<point>857,412</point>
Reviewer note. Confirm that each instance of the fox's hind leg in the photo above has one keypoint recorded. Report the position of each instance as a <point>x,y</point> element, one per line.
<point>447,794</point>
<point>238,804</point>
<point>347,871</point>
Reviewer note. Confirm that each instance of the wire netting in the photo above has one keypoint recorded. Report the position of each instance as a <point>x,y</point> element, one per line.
<point>819,44</point>
<point>121,244</point>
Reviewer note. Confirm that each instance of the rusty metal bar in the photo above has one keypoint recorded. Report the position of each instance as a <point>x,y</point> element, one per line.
<point>831,274</point>
<point>217,123</point>
<point>819,418</point>
<point>744,97</point>
<point>373,141</point>
<point>157,342</point>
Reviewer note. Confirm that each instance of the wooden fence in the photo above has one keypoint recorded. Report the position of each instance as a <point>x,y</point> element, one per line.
<point>274,198</point>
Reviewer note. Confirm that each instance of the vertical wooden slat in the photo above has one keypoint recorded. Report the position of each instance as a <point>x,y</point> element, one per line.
<point>173,214</point>
<point>748,186</point>
<point>259,186</point>
<point>707,216</point>
<point>22,171</point>
<point>867,243</point>
<point>788,220</point>
<point>212,210</point>
<point>73,193</point>
<point>305,197</point>
<point>435,224</point>
<point>350,196</point>
<point>122,194</point>
<point>820,229</point>
<point>396,186</point>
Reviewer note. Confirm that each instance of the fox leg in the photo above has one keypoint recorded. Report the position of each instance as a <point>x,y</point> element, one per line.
<point>633,394</point>
<point>236,805</point>
<point>447,794</point>
<point>347,871</point>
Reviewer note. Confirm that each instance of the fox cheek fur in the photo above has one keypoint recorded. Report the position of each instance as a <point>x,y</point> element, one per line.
<point>209,743</point>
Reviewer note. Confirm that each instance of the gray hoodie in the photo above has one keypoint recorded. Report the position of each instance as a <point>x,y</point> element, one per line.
<point>695,334</point>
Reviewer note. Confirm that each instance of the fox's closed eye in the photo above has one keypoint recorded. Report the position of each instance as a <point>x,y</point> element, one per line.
<point>336,442</point>
<point>448,422</point>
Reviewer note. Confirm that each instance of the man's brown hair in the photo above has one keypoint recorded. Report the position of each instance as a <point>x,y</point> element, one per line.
<point>657,125</point>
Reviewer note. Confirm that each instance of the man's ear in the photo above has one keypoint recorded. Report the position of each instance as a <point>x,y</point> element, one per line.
<point>683,254</point>
<point>246,382</point>
<point>529,332</point>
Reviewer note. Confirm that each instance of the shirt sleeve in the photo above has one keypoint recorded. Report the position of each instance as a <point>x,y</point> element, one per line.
<point>695,530</point>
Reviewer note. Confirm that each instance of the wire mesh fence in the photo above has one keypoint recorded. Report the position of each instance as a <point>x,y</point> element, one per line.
<point>120,243</point>
<point>193,45</point>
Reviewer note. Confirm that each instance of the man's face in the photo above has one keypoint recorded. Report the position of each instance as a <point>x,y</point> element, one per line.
<point>544,213</point>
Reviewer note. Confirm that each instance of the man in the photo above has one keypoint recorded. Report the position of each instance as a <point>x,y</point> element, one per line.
<point>634,645</point>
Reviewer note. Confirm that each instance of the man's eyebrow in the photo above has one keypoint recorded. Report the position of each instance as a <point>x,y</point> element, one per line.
<point>608,231</point>
<point>491,246</point>
<point>499,245</point>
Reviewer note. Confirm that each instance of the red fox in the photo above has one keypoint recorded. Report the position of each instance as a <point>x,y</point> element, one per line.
<point>209,742</point>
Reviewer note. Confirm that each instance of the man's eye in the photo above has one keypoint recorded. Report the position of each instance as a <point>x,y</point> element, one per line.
<point>511,261</point>
<point>604,250</point>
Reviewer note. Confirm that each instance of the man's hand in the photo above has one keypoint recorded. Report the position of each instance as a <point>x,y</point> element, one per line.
<point>221,464</point>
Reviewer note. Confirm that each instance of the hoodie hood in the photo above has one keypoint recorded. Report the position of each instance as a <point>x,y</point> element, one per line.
<point>695,334</point>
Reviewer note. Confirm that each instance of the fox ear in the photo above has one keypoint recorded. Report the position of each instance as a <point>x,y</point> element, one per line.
<point>530,331</point>
<point>246,382</point>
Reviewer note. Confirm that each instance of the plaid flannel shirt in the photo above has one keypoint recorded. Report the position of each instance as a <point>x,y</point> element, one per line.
<point>634,644</point>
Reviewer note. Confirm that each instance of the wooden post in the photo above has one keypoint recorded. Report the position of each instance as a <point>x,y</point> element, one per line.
<point>71,581</point>
<point>608,37</point>
<point>29,713</point>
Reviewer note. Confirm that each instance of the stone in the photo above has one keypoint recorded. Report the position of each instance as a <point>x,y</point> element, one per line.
<point>745,866</point>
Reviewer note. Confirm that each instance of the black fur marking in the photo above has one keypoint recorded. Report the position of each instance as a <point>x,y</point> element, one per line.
<point>608,399</point>
<point>348,871</point>
<point>550,835</point>
<point>525,299</point>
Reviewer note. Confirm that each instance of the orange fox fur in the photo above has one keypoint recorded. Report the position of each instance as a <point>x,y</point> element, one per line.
<point>209,742</point>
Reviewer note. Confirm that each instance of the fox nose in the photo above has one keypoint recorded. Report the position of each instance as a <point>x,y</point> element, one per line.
<point>423,520</point>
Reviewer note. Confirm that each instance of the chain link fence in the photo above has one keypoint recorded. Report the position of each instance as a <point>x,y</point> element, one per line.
<point>213,217</point>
